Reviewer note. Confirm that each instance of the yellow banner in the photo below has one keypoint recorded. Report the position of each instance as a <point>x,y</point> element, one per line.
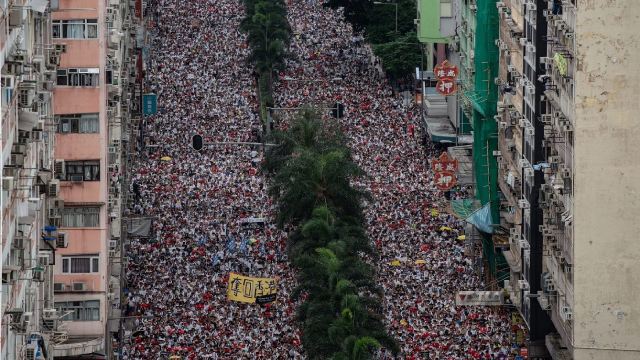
<point>251,290</point>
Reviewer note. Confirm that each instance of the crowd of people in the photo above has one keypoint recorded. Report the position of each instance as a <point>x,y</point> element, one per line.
<point>177,277</point>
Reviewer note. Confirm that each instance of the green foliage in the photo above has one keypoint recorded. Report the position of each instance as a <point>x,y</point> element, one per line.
<point>382,22</point>
<point>355,11</point>
<point>378,24</point>
<point>311,182</point>
<point>399,59</point>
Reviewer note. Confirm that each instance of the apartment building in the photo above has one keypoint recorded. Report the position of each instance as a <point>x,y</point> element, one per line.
<point>562,126</point>
<point>28,59</point>
<point>92,101</point>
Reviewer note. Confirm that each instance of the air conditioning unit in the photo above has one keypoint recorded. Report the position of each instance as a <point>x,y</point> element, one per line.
<point>523,204</point>
<point>53,188</point>
<point>80,286</point>
<point>36,135</point>
<point>59,167</point>
<point>547,119</point>
<point>19,242</point>
<point>514,231</point>
<point>38,275</point>
<point>529,131</point>
<point>531,7</point>
<point>528,172</point>
<point>501,105</point>
<point>30,351</point>
<point>17,159</point>
<point>472,54</point>
<point>416,22</point>
<point>57,203</point>
<point>50,319</point>
<point>111,297</point>
<point>44,259</point>
<point>523,244</point>
<point>565,173</point>
<point>503,125</point>
<point>504,46</point>
<point>567,316</point>
<point>523,284</point>
<point>62,241</point>
<point>61,47</point>
<point>26,97</point>
<point>497,153</point>
<point>567,128</point>
<point>7,183</point>
<point>531,48</point>
<point>500,4</point>
<point>515,239</point>
<point>59,287</point>
<point>473,7</point>
<point>523,41</point>
<point>76,178</point>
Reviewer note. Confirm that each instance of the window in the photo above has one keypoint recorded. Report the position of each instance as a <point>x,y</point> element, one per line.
<point>76,217</point>
<point>75,29</point>
<point>89,170</point>
<point>78,77</point>
<point>79,310</point>
<point>80,264</point>
<point>446,9</point>
<point>78,124</point>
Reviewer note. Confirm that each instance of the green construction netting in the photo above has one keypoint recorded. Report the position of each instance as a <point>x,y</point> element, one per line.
<point>485,129</point>
<point>465,207</point>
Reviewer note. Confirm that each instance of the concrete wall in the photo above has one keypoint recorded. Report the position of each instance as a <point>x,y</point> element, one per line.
<point>607,181</point>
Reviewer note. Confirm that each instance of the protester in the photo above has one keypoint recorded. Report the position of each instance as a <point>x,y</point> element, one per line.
<point>178,276</point>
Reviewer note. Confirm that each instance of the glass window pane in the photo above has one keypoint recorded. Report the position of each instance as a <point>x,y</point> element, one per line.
<point>92,31</point>
<point>445,9</point>
<point>65,265</point>
<point>65,126</point>
<point>95,265</point>
<point>80,265</point>
<point>87,173</point>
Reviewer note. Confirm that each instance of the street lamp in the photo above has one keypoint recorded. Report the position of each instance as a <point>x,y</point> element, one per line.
<point>396,5</point>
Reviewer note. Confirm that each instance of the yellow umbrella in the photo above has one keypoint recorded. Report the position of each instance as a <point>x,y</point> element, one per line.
<point>166,158</point>
<point>462,237</point>
<point>175,357</point>
<point>445,228</point>
<point>395,263</point>
<point>421,261</point>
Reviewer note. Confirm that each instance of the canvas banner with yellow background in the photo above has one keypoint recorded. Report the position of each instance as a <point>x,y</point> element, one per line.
<point>251,290</point>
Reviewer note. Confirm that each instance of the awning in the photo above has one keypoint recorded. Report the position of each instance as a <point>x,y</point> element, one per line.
<point>440,129</point>
<point>513,264</point>
<point>38,5</point>
<point>27,120</point>
<point>78,346</point>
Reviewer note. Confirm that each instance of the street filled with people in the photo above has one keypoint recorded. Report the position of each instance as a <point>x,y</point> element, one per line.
<point>178,277</point>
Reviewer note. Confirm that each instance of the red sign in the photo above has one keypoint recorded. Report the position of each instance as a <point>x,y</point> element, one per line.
<point>444,181</point>
<point>446,87</point>
<point>446,71</point>
<point>446,75</point>
<point>444,169</point>
<point>444,164</point>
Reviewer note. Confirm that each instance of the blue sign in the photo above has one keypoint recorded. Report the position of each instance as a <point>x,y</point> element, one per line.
<point>149,104</point>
